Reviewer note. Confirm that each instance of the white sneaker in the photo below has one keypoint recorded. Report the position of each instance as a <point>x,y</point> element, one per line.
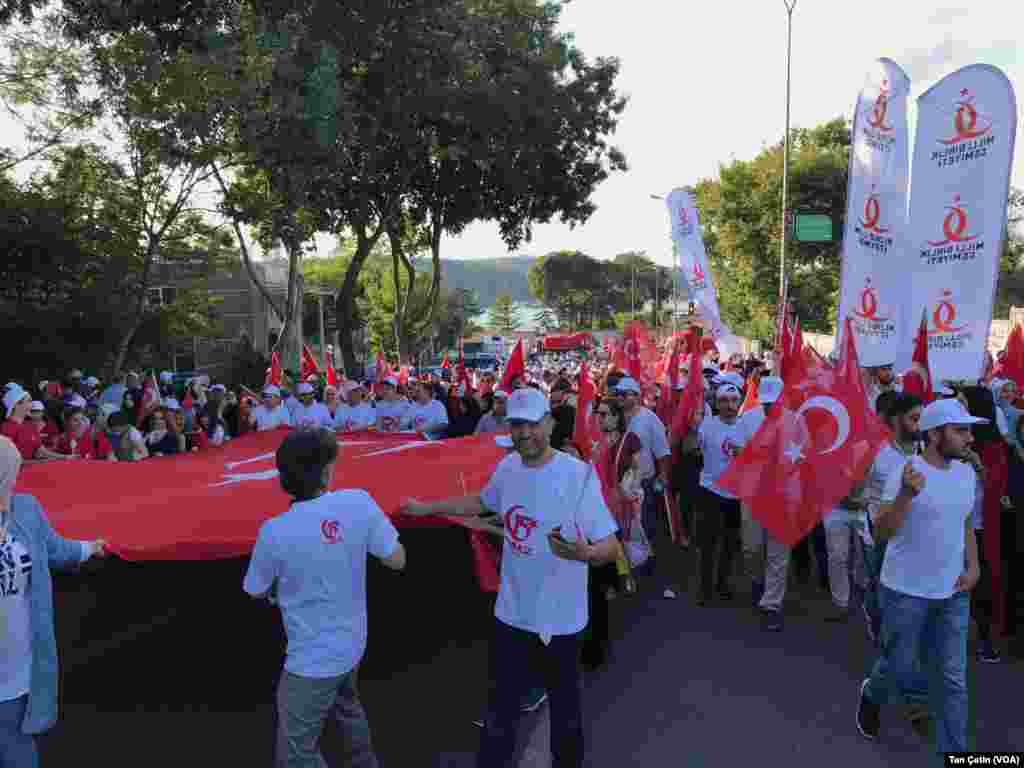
<point>669,594</point>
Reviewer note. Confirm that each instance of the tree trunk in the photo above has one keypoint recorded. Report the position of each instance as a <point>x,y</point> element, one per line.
<point>401,302</point>
<point>125,345</point>
<point>289,343</point>
<point>345,301</point>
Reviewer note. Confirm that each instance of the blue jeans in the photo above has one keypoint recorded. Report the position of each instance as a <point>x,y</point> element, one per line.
<point>934,632</point>
<point>874,556</point>
<point>17,749</point>
<point>519,661</point>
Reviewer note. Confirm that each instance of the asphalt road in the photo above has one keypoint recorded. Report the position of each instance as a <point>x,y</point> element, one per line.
<point>168,664</point>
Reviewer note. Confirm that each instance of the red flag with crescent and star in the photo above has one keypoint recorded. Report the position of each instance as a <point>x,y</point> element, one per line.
<point>816,442</point>
<point>276,372</point>
<point>918,380</point>
<point>692,396</point>
<point>1012,364</point>
<point>309,364</point>
<point>446,363</point>
<point>332,372</point>
<point>583,428</point>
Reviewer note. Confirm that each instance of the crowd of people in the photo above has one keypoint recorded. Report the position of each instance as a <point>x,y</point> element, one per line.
<point>903,551</point>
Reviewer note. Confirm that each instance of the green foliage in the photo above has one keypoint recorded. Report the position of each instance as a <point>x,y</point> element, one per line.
<point>503,315</point>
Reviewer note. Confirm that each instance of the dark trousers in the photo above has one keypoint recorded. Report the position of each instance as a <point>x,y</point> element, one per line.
<point>596,637</point>
<point>981,597</point>
<point>718,535</point>
<point>519,661</point>
<point>802,555</point>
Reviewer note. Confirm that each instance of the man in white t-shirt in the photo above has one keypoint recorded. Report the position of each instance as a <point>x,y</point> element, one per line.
<point>655,458</point>
<point>720,439</point>
<point>427,415</point>
<point>311,561</point>
<point>309,413</point>
<point>556,524</point>
<point>357,414</point>
<point>931,565</point>
<point>391,407</point>
<point>766,558</point>
<point>270,414</point>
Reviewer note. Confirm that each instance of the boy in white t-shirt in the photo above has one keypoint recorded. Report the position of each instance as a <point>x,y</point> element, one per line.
<point>426,415</point>
<point>311,561</point>
<point>553,508</point>
<point>931,565</point>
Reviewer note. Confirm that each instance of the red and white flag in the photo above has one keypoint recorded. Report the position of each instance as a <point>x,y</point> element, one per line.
<point>275,374</point>
<point>809,452</point>
<point>309,364</point>
<point>516,366</point>
<point>583,428</point>
<point>918,380</point>
<point>332,372</point>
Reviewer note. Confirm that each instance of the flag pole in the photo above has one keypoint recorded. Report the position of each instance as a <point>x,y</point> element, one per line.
<point>790,5</point>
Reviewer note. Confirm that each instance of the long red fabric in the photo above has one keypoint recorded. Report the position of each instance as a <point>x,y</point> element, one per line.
<point>566,343</point>
<point>210,505</point>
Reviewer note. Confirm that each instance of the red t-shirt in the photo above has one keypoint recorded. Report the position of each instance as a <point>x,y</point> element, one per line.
<point>25,437</point>
<point>91,445</point>
<point>51,434</point>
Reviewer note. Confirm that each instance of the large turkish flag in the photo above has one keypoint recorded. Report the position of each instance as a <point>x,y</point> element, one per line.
<point>211,504</point>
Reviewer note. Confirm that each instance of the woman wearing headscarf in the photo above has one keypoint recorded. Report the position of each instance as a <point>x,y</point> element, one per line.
<point>29,549</point>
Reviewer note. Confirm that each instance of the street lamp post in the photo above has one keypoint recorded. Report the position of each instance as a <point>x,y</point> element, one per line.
<point>790,5</point>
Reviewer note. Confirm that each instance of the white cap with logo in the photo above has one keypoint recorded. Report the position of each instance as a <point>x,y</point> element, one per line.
<point>527,404</point>
<point>271,391</point>
<point>948,411</point>
<point>14,395</point>
<point>628,384</point>
<point>304,389</point>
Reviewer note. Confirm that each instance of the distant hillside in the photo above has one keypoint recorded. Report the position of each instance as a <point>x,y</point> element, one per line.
<point>490,277</point>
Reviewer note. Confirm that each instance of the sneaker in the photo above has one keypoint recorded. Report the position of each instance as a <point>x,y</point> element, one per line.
<point>771,621</point>
<point>669,593</point>
<point>533,706</point>
<point>479,723</point>
<point>610,594</point>
<point>868,714</point>
<point>724,593</point>
<point>757,593</point>
<point>628,585</point>
<point>987,653</point>
<point>920,721</point>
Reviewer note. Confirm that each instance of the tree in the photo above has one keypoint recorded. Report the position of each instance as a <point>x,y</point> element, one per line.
<point>546,320</point>
<point>503,315</point>
<point>1010,290</point>
<point>740,215</point>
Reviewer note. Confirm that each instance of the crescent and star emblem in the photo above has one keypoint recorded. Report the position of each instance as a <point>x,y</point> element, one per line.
<point>795,452</point>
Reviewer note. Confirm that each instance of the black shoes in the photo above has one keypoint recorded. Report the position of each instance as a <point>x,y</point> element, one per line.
<point>868,714</point>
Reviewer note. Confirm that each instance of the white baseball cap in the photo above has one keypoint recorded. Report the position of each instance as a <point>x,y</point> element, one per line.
<point>304,389</point>
<point>391,380</point>
<point>218,388</point>
<point>272,391</point>
<point>37,406</point>
<point>171,404</point>
<point>730,377</point>
<point>628,384</point>
<point>948,411</point>
<point>91,381</point>
<point>166,376</point>
<point>77,401</point>
<point>769,389</point>
<point>527,404</point>
<point>14,395</point>
<point>501,394</point>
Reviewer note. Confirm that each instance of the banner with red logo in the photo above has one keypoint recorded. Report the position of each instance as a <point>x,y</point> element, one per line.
<point>210,505</point>
<point>688,240</point>
<point>874,280</point>
<point>963,154</point>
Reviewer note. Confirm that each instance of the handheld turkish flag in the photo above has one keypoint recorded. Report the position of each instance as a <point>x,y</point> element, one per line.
<point>150,398</point>
<point>446,363</point>
<point>693,394</point>
<point>753,398</point>
<point>583,428</point>
<point>462,376</point>
<point>309,366</point>
<point>275,374</point>
<point>332,372</point>
<point>813,446</point>
<point>640,352</point>
<point>403,375</point>
<point>669,396</point>
<point>1013,362</point>
<point>516,366</point>
<point>383,369</point>
<point>918,380</point>
<point>618,356</point>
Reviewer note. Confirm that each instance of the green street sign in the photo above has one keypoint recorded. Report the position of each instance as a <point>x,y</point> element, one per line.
<point>813,228</point>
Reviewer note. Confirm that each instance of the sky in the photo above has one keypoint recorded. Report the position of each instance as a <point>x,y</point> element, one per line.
<point>706,84</point>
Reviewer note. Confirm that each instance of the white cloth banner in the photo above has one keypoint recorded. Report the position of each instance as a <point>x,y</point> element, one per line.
<point>963,154</point>
<point>873,283</point>
<point>688,239</point>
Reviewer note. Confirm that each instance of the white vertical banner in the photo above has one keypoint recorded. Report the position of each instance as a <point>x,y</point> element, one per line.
<point>963,153</point>
<point>873,287</point>
<point>688,239</point>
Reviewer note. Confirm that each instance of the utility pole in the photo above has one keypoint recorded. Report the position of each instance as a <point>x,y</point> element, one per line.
<point>790,5</point>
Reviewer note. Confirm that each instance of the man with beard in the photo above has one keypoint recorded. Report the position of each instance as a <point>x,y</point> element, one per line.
<point>931,565</point>
<point>556,524</point>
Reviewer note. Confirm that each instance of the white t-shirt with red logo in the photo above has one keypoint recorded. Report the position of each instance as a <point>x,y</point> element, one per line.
<point>312,559</point>
<point>540,592</point>
<point>390,415</point>
<point>419,416</point>
<point>718,442</point>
